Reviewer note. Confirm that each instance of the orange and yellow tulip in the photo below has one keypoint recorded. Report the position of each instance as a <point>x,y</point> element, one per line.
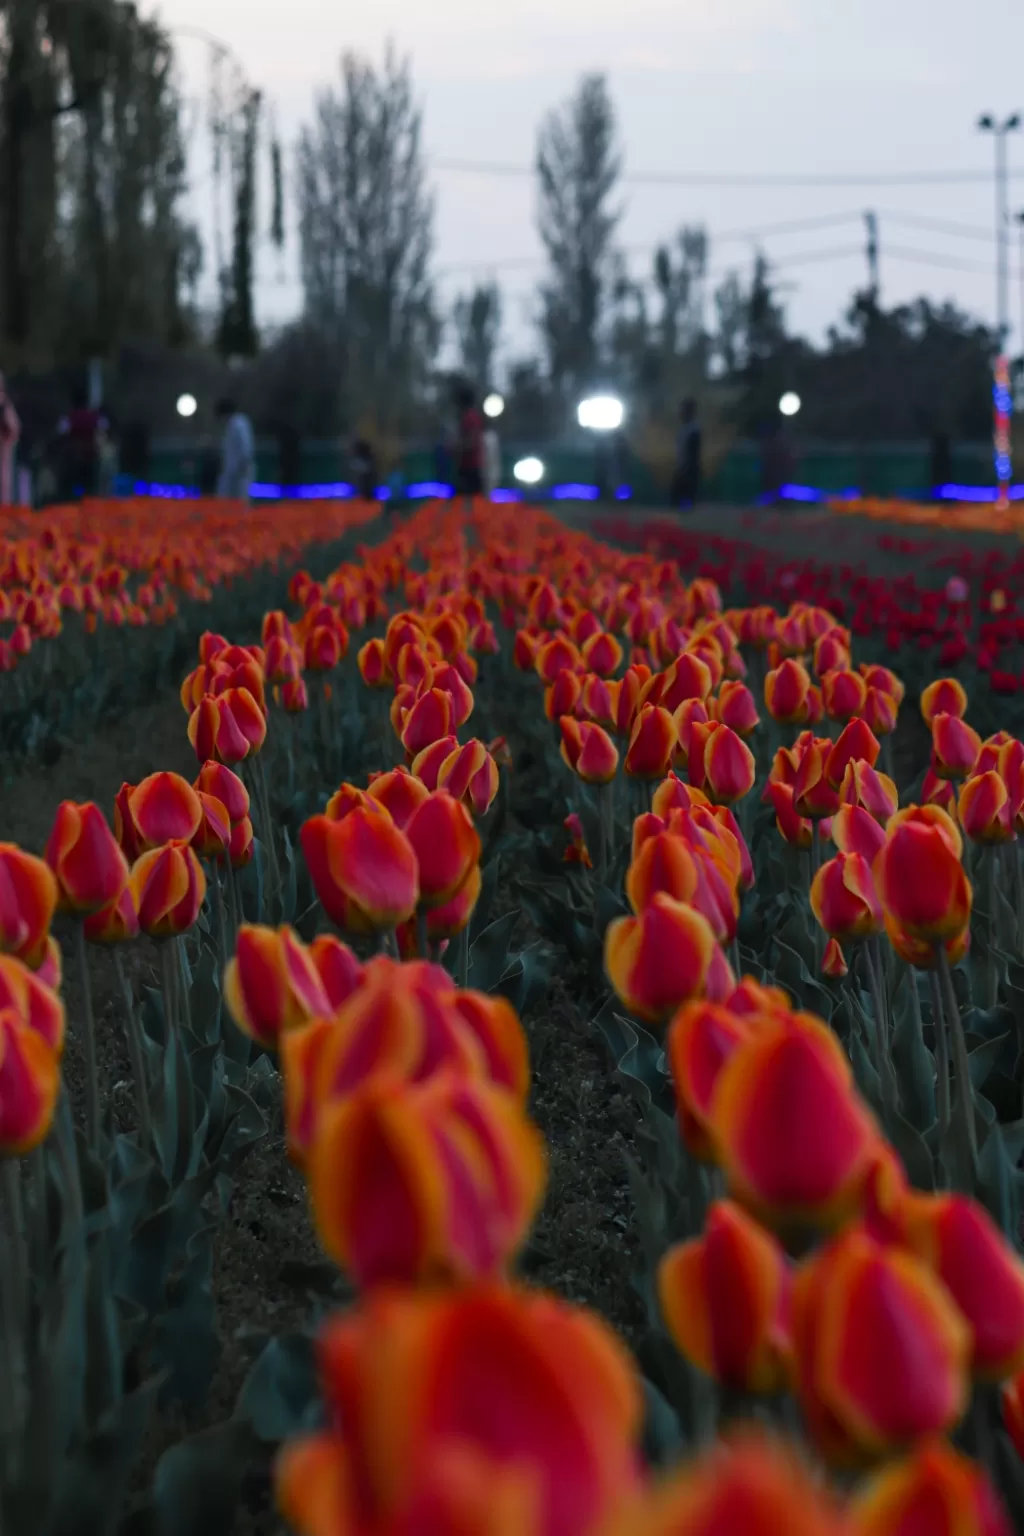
<point>660,958</point>
<point>364,870</point>
<point>28,899</point>
<point>272,983</point>
<point>90,869</point>
<point>168,888</point>
<point>935,1489</point>
<point>844,899</point>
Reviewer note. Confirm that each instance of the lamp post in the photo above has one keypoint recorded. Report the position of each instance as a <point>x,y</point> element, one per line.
<point>999,129</point>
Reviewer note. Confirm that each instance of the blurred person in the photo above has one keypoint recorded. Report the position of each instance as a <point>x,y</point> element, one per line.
<point>237,454</point>
<point>10,432</point>
<point>82,432</point>
<point>940,462</point>
<point>469,451</point>
<point>491,459</point>
<point>364,469</point>
<point>686,479</point>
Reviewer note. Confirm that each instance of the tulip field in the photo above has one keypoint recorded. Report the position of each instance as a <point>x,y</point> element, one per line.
<point>510,1026</point>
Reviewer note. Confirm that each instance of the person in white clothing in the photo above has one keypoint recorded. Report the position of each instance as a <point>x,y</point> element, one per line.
<point>238,453</point>
<point>492,461</point>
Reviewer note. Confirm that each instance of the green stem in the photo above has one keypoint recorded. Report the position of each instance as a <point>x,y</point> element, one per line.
<point>135,1050</point>
<point>184,983</point>
<point>883,1064</point>
<point>964,1101</point>
<point>941,1055</point>
<point>421,933</point>
<point>92,1091</point>
<point>218,907</point>
<point>168,977</point>
<point>990,856</point>
<point>260,778</point>
<point>237,914</point>
<point>13,1295</point>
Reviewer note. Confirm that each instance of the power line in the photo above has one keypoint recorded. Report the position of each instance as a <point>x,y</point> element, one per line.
<point>936,259</point>
<point>966,177</point>
<point>941,226</point>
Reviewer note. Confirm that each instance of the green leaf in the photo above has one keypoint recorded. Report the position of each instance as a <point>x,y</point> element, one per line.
<point>280,1396</point>
<point>485,901</point>
<point>488,957</point>
<point>981,1060</point>
<point>197,1483</point>
<point>185,1339</point>
<point>91,1486</point>
<point>999,1184</point>
<point>913,1149</point>
<point>915,1066</point>
<point>662,1433</point>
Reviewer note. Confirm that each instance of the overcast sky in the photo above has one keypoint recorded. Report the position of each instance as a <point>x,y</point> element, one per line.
<point>816,88</point>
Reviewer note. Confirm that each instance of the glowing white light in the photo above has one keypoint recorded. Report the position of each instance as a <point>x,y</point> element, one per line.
<point>493,405</point>
<point>529,471</point>
<point>187,405</point>
<point>790,403</point>
<point>601,413</point>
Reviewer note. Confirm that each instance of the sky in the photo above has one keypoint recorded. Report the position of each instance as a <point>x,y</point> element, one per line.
<point>703,88</point>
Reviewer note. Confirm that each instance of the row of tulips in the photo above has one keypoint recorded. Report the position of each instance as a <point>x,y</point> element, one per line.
<point>453,1393</point>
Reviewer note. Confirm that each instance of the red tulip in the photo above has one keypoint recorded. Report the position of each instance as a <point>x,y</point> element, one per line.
<point>854,830</point>
<point>984,809</point>
<point>427,720</point>
<point>856,745</point>
<point>863,786</point>
<point>28,898</point>
<point>117,923</point>
<point>725,1300</point>
<point>844,900</point>
<point>29,1085</point>
<point>735,707</point>
<point>651,743</point>
<point>588,750</point>
<point>240,849</point>
<point>602,654</point>
<point>721,763</point>
<point>424,1446</point>
<point>294,697</point>
<point>660,958</point>
<point>955,747</point>
<point>935,1489</point>
<point>813,795</point>
<point>919,876</point>
<point>446,845</point>
<point>786,690</point>
<point>364,870</point>
<point>426,765</point>
<point>470,774</point>
<point>338,969</point>
<point>372,667</point>
<point>164,808</point>
<point>218,780</point>
<point>271,983</point>
<point>83,854</point>
<point>945,696</point>
<point>859,1307</point>
<point>168,888</point>
<point>562,696</point>
<point>399,792</point>
<point>833,961</point>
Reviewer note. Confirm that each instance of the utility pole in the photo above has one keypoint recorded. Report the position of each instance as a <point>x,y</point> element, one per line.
<point>1000,395</point>
<point>871,251</point>
<point>1019,221</point>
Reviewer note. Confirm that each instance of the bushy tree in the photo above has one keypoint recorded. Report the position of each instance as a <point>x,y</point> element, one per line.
<point>477,319</point>
<point>365,220</point>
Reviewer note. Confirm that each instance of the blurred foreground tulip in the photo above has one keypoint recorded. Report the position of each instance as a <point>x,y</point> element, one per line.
<point>725,1300</point>
<point>794,1138</point>
<point>29,1085</point>
<point>117,923</point>
<point>28,899</point>
<point>858,1307</point>
<point>82,852</point>
<point>935,1490</point>
<point>417,1441</point>
<point>745,1486</point>
<point>424,1183</point>
<point>957,1238</point>
<point>272,984</point>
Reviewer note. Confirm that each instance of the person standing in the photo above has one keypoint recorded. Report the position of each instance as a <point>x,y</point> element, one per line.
<point>81,431</point>
<point>10,432</point>
<point>686,480</point>
<point>364,469</point>
<point>492,459</point>
<point>469,456</point>
<point>238,453</point>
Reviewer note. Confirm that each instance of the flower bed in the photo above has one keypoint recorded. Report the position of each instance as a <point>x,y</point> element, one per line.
<point>810,998</point>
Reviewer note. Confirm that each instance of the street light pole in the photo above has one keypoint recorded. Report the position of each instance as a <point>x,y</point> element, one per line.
<point>1000,394</point>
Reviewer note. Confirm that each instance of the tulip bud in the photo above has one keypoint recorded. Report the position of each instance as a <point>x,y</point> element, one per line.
<point>125,830</point>
<point>863,786</point>
<point>602,654</point>
<point>168,888</point>
<point>117,923</point>
<point>576,851</point>
<point>427,720</point>
<point>735,707</point>
<point>470,774</point>
<point>724,1298</point>
<point>919,877</point>
<point>956,1237</point>
<point>833,961</point>
<point>29,1085</point>
<point>856,744</point>
<point>795,829</point>
<point>984,809</point>
<point>855,831</point>
<point>294,698</point>
<point>218,780</point>
<point>945,696</point>
<point>813,795</point>
<point>562,696</point>
<point>651,743</point>
<point>240,849</point>
<point>588,750</point>
<point>844,900</point>
<point>338,969</point>
<point>364,870</point>
<point>688,677</point>
<point>372,668</point>
<point>935,1489</point>
<point>28,898</point>
<point>399,792</point>
<point>597,701</point>
<point>662,863</point>
<point>164,808</point>
<point>880,711</point>
<point>786,690</point>
<point>450,681</point>
<point>271,984</point>
<point>858,1305</point>
<point>90,869</point>
<point>660,958</point>
<point>446,845</point>
<point>420,1183</point>
<point>721,763</point>
<point>813,1170</point>
<point>955,747</point>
